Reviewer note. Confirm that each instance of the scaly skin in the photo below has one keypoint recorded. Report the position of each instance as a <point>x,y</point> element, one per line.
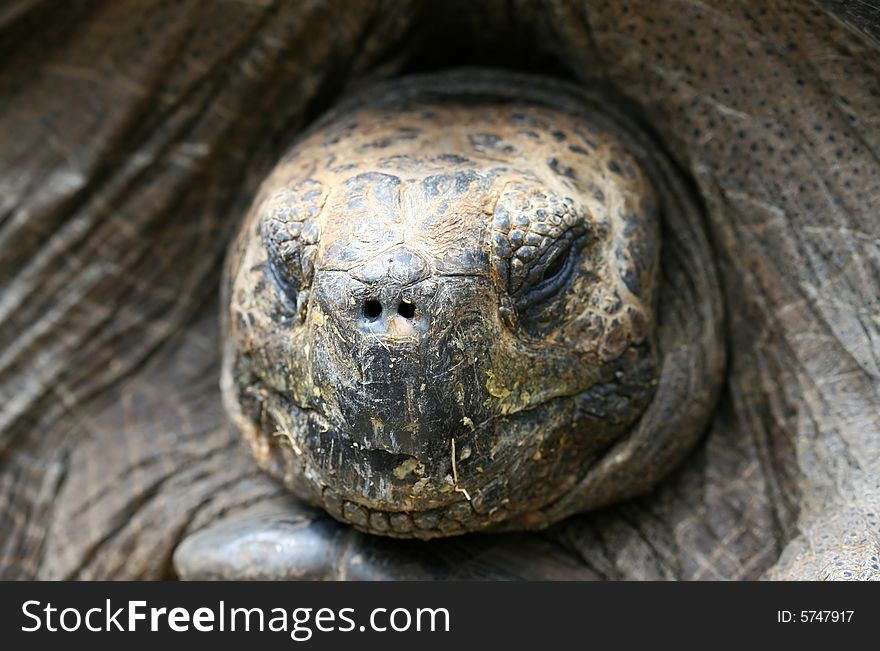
<point>456,196</point>
<point>132,145</point>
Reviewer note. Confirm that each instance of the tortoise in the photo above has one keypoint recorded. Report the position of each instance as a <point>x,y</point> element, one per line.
<point>604,306</point>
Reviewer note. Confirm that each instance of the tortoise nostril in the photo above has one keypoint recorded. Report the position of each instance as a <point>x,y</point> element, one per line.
<point>372,309</point>
<point>406,310</point>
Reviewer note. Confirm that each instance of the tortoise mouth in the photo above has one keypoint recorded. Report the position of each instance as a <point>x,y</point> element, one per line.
<point>332,455</point>
<point>440,499</point>
<point>457,518</point>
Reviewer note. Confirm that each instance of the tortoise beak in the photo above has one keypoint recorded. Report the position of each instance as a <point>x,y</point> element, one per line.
<point>401,366</point>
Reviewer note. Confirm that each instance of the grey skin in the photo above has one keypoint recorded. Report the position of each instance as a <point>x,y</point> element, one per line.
<point>135,137</point>
<point>444,310</point>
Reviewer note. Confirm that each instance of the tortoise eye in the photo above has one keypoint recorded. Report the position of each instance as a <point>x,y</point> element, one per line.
<point>284,250</point>
<point>290,235</point>
<point>550,275</point>
<point>291,251</point>
<point>555,267</point>
<point>280,272</point>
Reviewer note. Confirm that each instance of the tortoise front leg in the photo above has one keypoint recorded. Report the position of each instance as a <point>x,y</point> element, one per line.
<point>281,539</point>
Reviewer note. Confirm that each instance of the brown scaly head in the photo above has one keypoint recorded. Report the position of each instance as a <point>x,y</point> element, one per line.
<point>444,308</point>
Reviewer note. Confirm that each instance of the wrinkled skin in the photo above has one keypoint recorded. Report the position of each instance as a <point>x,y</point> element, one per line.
<point>135,138</point>
<point>443,263</point>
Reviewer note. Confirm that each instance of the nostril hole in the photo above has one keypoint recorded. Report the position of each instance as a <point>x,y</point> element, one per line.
<point>406,310</point>
<point>372,309</point>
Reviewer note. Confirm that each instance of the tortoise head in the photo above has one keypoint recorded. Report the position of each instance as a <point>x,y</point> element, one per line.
<point>440,315</point>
